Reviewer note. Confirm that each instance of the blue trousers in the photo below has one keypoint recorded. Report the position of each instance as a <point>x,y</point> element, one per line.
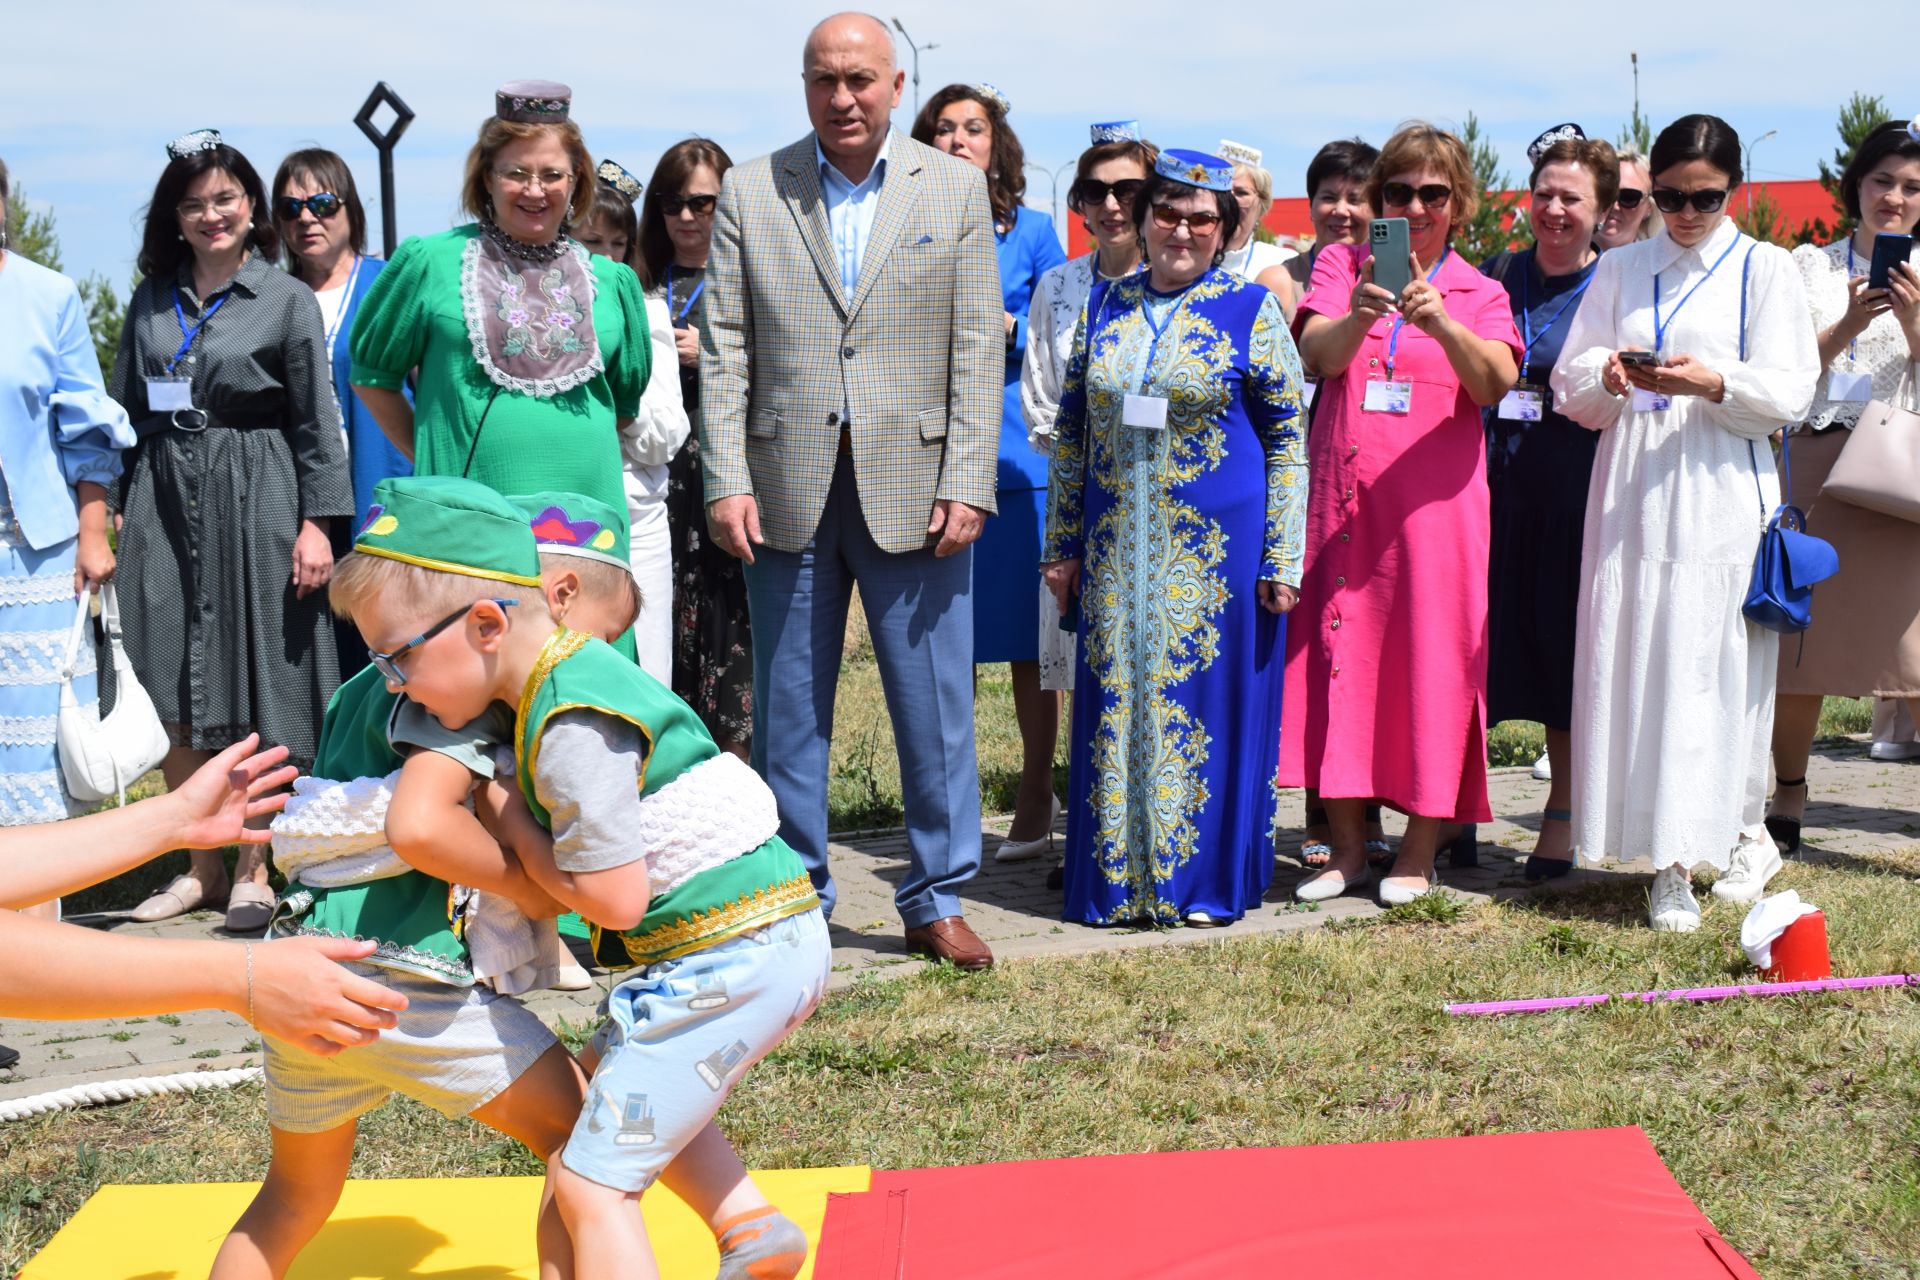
<point>920,614</point>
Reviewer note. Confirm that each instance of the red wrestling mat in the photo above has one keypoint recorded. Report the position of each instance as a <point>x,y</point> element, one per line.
<point>1593,1204</point>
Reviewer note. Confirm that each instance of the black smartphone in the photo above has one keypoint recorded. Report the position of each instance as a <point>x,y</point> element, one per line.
<point>1888,248</point>
<point>1070,619</point>
<point>1391,245</point>
<point>1639,359</point>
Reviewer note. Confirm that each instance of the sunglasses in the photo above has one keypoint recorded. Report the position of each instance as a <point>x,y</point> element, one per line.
<point>324,205</point>
<point>1629,197</point>
<point>1093,192</point>
<point>1166,217</point>
<point>701,205</point>
<point>1401,194</point>
<point>1672,199</point>
<point>388,664</point>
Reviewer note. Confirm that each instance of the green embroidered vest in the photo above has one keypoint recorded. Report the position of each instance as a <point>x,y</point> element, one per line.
<point>410,915</point>
<point>761,885</point>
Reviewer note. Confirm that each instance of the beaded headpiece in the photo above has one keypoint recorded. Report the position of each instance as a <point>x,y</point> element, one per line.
<point>993,95</point>
<point>1240,153</point>
<point>533,101</point>
<point>1559,133</point>
<point>188,144</point>
<point>1115,131</point>
<point>614,174</point>
<point>1195,168</point>
<point>1913,128</point>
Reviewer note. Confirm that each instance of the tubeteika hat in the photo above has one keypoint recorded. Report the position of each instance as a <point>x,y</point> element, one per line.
<point>572,524</point>
<point>449,525</point>
<point>614,174</point>
<point>533,101</point>
<point>1115,131</point>
<point>1195,168</point>
<point>993,95</point>
<point>1913,128</point>
<point>1559,133</point>
<point>193,143</point>
<point>1240,153</point>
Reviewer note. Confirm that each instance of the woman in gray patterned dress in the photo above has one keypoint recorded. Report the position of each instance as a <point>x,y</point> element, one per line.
<point>228,497</point>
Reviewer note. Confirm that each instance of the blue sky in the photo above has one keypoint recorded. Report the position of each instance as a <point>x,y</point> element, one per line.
<point>88,104</point>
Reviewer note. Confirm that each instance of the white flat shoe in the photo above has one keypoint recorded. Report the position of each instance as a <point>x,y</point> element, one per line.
<point>1398,895</point>
<point>572,978</point>
<point>1202,920</point>
<point>1331,884</point>
<point>1028,850</point>
<point>1674,908</point>
<point>1543,769</point>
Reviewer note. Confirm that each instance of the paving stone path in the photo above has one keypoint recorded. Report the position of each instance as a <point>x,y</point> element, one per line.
<point>1857,806</point>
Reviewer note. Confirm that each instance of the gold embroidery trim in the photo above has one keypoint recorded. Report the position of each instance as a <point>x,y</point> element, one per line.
<point>703,929</point>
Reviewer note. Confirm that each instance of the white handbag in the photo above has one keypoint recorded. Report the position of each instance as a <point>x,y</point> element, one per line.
<point>99,757</point>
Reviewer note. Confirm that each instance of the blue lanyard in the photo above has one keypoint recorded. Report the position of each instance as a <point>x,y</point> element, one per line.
<point>1526,312</point>
<point>188,335</point>
<point>1853,348</point>
<point>1659,329</point>
<point>1146,313</point>
<point>1393,338</point>
<point>680,318</point>
<point>340,316</point>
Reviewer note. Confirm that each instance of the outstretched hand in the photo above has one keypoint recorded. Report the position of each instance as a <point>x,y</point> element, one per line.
<point>303,996</point>
<point>212,807</point>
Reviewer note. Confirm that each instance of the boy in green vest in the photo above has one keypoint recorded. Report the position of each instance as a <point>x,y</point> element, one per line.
<point>627,812</point>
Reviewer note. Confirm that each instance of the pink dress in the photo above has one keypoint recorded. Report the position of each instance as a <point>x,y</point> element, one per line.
<point>1386,681</point>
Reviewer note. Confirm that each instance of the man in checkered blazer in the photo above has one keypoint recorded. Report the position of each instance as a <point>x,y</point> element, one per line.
<point>850,390</point>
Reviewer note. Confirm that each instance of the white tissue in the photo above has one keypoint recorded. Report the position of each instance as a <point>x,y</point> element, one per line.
<point>1767,921</point>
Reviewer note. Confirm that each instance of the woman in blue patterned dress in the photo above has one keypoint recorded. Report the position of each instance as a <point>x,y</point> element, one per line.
<point>1176,517</point>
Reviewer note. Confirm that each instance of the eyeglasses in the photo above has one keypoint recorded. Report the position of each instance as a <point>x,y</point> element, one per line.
<point>220,206</point>
<point>1629,197</point>
<point>1401,194</point>
<point>527,179</point>
<point>702,205</point>
<point>1092,191</point>
<point>324,205</point>
<point>1166,217</point>
<point>1672,199</point>
<point>388,664</point>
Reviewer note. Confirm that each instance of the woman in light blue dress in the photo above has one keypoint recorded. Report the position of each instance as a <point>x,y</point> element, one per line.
<point>60,442</point>
<point>970,122</point>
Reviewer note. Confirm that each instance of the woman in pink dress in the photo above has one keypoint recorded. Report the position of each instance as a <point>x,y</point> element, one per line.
<point>1387,656</point>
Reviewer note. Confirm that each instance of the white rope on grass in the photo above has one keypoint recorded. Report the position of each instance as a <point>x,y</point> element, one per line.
<point>105,1091</point>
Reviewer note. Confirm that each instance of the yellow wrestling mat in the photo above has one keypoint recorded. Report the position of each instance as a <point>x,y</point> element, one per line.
<point>391,1229</point>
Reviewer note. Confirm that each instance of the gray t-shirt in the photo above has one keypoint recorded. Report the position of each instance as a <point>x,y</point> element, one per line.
<point>588,777</point>
<point>412,727</point>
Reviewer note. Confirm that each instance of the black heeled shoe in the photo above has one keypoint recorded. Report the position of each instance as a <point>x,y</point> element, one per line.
<point>8,1057</point>
<point>1785,831</point>
<point>1539,868</point>
<point>1464,849</point>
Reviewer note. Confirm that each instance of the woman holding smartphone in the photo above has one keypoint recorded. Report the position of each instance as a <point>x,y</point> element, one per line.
<point>1688,351</point>
<point>1389,655</point>
<point>1866,633</point>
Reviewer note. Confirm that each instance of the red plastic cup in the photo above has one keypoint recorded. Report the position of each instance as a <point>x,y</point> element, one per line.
<point>1800,953</point>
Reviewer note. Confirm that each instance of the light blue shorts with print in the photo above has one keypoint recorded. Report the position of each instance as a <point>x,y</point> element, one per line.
<point>680,1034</point>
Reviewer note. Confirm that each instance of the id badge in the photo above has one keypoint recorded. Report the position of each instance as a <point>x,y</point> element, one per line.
<point>1149,413</point>
<point>1313,389</point>
<point>167,395</point>
<point>1388,397</point>
<point>1849,385</point>
<point>1645,401</point>
<point>1522,404</point>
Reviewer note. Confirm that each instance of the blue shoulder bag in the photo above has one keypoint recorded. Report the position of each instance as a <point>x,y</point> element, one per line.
<point>1790,560</point>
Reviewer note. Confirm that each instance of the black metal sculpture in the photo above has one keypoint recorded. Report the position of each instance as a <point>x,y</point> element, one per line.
<point>384,144</point>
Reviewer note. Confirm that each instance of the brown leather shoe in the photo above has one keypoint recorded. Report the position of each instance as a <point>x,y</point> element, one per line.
<point>951,939</point>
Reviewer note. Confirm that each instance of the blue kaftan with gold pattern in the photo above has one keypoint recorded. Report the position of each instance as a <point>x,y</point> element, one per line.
<point>1176,722</point>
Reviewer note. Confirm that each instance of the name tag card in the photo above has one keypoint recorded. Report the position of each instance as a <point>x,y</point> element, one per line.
<point>1313,389</point>
<point>165,395</point>
<point>1522,404</point>
<point>1645,401</point>
<point>1149,413</point>
<point>1388,397</point>
<point>1849,384</point>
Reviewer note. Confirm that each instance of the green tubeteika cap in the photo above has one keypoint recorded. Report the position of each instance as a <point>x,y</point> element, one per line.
<point>572,524</point>
<point>449,525</point>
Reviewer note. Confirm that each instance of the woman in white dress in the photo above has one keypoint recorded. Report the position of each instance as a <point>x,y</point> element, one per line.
<point>1673,687</point>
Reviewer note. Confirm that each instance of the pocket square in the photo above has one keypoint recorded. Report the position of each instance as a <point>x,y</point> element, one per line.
<point>924,240</point>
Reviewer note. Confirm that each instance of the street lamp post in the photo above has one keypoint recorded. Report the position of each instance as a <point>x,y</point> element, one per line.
<point>916,61</point>
<point>1053,178</point>
<point>1749,173</point>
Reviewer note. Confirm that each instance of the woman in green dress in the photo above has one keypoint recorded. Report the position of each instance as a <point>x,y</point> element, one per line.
<point>529,354</point>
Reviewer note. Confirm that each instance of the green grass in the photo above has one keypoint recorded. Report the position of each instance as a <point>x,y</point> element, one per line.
<point>1794,1122</point>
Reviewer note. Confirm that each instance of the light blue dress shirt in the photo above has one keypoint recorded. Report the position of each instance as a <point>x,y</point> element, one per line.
<point>850,210</point>
<point>57,424</point>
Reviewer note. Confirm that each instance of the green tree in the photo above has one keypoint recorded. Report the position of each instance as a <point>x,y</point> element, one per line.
<point>1763,220</point>
<point>1499,224</point>
<point>33,235</point>
<point>1636,134</point>
<point>1862,114</point>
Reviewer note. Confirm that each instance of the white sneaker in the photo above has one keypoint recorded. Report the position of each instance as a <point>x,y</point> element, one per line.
<point>1543,769</point>
<point>1893,750</point>
<point>1754,863</point>
<point>1674,909</point>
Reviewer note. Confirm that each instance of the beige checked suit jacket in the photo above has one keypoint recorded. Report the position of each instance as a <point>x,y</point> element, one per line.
<point>913,361</point>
